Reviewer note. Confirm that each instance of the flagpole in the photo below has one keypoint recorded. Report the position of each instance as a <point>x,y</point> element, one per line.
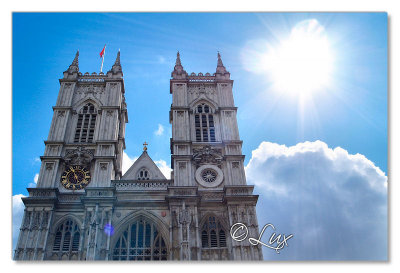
<point>102,60</point>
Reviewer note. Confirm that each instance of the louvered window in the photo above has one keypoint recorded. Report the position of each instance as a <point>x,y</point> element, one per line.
<point>67,237</point>
<point>204,124</point>
<point>57,241</point>
<point>213,234</point>
<point>86,124</point>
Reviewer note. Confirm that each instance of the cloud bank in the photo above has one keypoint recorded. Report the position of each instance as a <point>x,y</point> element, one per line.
<point>164,168</point>
<point>127,162</point>
<point>17,214</point>
<point>333,202</point>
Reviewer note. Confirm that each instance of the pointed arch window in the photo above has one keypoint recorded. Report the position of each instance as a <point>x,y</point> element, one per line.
<point>204,124</point>
<point>67,237</point>
<point>86,124</point>
<point>213,234</point>
<point>140,241</point>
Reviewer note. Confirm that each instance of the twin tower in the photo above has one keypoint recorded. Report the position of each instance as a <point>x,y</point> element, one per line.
<point>85,208</point>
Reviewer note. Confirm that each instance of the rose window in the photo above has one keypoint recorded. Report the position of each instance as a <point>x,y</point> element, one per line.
<point>209,175</point>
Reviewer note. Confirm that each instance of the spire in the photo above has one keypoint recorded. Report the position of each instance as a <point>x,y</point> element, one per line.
<point>220,64</point>
<point>145,146</point>
<point>178,60</point>
<point>179,72</point>
<point>116,68</point>
<point>118,59</point>
<point>74,67</point>
<point>221,70</point>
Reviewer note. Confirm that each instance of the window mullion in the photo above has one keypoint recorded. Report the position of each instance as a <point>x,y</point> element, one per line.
<point>62,237</point>
<point>218,244</point>
<point>82,125</point>
<point>137,236</point>
<point>144,239</point>
<point>88,128</point>
<point>208,128</point>
<point>120,246</point>
<point>129,242</point>
<point>201,127</point>
<point>70,242</point>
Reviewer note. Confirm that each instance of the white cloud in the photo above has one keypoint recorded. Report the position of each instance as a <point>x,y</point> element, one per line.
<point>17,214</point>
<point>159,131</point>
<point>35,180</point>
<point>161,59</point>
<point>335,203</point>
<point>164,168</point>
<point>127,162</point>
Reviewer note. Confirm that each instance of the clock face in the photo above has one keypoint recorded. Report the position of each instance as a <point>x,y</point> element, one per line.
<point>75,178</point>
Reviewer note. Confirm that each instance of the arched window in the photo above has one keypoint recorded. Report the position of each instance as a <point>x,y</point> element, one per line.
<point>67,237</point>
<point>204,124</point>
<point>213,234</point>
<point>86,124</point>
<point>143,174</point>
<point>140,241</point>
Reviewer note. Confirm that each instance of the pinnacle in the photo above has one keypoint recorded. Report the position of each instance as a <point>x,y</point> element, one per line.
<point>178,59</point>
<point>118,59</point>
<point>74,67</point>
<point>219,60</point>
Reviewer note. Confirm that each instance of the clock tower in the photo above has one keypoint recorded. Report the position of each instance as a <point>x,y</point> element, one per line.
<point>83,152</point>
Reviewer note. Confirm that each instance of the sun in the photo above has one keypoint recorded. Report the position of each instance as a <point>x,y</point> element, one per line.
<point>303,62</point>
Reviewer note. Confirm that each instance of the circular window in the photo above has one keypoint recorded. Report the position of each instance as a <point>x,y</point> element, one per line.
<point>209,176</point>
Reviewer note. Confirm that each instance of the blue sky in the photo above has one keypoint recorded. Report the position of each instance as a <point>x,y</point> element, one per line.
<point>350,113</point>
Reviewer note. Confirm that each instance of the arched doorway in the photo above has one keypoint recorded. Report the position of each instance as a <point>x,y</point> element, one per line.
<point>139,241</point>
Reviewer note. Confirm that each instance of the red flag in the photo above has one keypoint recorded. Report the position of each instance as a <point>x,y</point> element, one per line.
<point>102,52</point>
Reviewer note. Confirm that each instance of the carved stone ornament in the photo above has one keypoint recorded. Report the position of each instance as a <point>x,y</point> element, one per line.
<point>87,89</point>
<point>79,156</point>
<point>103,166</point>
<point>235,165</point>
<point>184,217</point>
<point>49,166</point>
<point>198,89</point>
<point>207,155</point>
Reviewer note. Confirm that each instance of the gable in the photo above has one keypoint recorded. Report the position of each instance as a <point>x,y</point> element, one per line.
<point>144,162</point>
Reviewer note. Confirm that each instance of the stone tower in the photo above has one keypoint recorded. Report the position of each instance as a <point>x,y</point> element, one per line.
<point>208,170</point>
<point>87,132</point>
<point>84,208</point>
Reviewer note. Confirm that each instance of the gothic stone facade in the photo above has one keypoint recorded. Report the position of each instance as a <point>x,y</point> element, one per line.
<point>140,215</point>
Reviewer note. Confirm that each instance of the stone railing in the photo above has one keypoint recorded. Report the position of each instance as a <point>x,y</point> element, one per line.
<point>94,77</point>
<point>201,78</point>
<point>134,185</point>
